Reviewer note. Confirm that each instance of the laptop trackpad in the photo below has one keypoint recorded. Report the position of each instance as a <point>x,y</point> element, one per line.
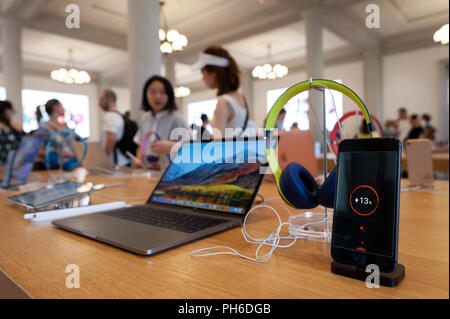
<point>140,238</point>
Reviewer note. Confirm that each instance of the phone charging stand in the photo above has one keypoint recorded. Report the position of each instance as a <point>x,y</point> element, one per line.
<point>390,279</point>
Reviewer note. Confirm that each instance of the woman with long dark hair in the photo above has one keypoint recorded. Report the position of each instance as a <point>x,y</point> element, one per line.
<point>161,115</point>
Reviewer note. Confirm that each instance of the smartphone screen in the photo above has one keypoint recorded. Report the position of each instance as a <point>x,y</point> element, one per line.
<point>365,222</point>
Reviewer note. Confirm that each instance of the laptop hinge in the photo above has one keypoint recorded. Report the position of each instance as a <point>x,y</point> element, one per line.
<point>205,212</point>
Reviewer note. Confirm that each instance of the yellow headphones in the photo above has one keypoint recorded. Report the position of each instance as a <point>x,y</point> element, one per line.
<point>295,184</point>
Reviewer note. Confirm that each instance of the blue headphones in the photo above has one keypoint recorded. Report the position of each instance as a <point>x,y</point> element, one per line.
<point>295,184</point>
<point>51,157</point>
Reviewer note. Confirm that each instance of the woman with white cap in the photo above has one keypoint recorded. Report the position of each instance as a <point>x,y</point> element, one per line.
<point>221,72</point>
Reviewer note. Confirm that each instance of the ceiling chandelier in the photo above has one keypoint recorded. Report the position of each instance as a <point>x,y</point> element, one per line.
<point>172,40</point>
<point>268,71</point>
<point>182,91</point>
<point>441,35</point>
<point>70,75</point>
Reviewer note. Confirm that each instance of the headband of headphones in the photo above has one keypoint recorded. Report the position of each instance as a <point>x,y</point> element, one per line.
<point>290,93</point>
<point>78,137</point>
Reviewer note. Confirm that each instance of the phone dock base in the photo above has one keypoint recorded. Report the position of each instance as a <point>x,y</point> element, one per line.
<point>390,279</point>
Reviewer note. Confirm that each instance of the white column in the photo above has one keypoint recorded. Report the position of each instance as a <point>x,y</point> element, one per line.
<point>169,66</point>
<point>247,91</point>
<point>12,65</point>
<point>373,95</point>
<point>143,48</point>
<point>314,67</point>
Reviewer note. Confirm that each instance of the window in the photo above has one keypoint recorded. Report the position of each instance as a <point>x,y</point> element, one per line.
<point>76,106</point>
<point>297,108</point>
<point>2,93</point>
<point>196,109</point>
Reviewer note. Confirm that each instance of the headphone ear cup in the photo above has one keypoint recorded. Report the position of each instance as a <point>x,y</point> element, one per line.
<point>70,164</point>
<point>298,186</point>
<point>326,192</point>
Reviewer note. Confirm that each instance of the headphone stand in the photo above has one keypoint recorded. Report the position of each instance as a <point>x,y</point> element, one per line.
<point>326,232</point>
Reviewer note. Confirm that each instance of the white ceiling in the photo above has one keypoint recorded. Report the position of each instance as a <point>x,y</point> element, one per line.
<point>286,43</point>
<point>244,27</point>
<point>399,16</point>
<point>50,48</point>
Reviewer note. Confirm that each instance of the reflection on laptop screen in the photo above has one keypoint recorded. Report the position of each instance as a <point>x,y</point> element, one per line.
<point>25,156</point>
<point>218,175</point>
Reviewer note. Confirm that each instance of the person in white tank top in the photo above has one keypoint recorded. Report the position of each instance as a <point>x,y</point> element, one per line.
<point>221,72</point>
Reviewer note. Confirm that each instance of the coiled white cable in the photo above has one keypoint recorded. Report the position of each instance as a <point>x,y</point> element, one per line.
<point>273,240</point>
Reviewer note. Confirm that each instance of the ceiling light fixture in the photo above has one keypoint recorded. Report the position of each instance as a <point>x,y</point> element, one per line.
<point>268,71</point>
<point>70,75</point>
<point>182,91</point>
<point>172,40</point>
<point>441,35</point>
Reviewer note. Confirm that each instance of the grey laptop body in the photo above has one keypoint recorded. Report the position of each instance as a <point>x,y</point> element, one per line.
<point>191,201</point>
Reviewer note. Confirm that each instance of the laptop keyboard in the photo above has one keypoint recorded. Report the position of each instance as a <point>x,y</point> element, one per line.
<point>187,223</point>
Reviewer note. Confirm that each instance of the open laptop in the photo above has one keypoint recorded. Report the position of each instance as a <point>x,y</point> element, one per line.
<point>20,162</point>
<point>209,187</point>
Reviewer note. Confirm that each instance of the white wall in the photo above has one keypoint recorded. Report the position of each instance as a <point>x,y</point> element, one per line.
<point>410,79</point>
<point>123,98</point>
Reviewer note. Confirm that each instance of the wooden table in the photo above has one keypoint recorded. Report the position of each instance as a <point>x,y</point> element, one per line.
<point>34,256</point>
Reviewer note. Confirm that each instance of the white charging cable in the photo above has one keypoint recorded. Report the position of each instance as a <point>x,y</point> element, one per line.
<point>273,240</point>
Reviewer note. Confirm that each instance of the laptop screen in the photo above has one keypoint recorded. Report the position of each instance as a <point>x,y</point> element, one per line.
<point>218,175</point>
<point>25,156</point>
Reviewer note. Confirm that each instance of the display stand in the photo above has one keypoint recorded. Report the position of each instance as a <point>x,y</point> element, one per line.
<point>389,279</point>
<point>314,225</point>
<point>72,202</point>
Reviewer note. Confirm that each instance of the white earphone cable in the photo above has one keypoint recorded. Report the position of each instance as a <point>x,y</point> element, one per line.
<point>273,240</point>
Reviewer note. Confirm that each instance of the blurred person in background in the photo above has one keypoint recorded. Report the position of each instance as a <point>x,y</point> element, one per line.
<point>221,73</point>
<point>429,131</point>
<point>113,127</point>
<point>403,124</point>
<point>10,132</point>
<point>160,116</point>
<point>416,127</point>
<point>294,126</point>
<point>390,128</point>
<point>64,142</point>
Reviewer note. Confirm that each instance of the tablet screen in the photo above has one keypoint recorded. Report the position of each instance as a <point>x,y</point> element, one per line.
<point>55,193</point>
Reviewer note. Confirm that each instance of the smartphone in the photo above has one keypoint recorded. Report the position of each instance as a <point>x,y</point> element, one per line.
<point>366,208</point>
<point>419,161</point>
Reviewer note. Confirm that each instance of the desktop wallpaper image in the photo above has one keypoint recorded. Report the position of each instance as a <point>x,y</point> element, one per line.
<point>219,182</point>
